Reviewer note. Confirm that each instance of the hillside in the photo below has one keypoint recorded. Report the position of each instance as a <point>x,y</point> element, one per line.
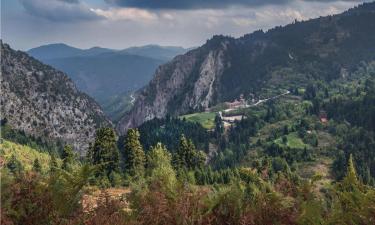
<point>221,70</point>
<point>43,102</point>
<point>25,155</point>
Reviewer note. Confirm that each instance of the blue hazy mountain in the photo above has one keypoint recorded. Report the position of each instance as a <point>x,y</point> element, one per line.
<point>106,73</point>
<point>156,51</point>
<point>52,51</point>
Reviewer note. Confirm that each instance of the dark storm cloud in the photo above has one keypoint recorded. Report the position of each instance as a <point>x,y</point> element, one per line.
<point>59,10</point>
<point>205,4</point>
<point>192,4</point>
<point>30,23</point>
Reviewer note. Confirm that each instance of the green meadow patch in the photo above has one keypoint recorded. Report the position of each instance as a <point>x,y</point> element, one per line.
<point>293,141</point>
<point>206,119</point>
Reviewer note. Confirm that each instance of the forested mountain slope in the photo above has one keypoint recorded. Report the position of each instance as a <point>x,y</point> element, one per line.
<point>44,102</point>
<point>221,70</point>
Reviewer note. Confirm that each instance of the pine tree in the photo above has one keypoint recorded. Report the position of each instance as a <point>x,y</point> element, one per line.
<point>158,156</point>
<point>368,179</point>
<point>180,158</point>
<point>36,166</point>
<point>89,154</point>
<point>219,126</point>
<point>190,155</point>
<point>187,156</point>
<point>350,181</point>
<point>104,152</point>
<point>159,166</point>
<point>352,200</point>
<point>14,165</point>
<point>53,164</point>
<point>67,157</point>
<point>133,153</point>
<point>199,159</point>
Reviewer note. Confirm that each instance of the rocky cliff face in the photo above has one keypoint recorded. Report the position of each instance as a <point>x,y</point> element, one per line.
<point>44,102</point>
<point>283,57</point>
<point>186,83</point>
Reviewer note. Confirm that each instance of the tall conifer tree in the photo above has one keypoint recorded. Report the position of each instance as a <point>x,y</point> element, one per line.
<point>36,166</point>
<point>67,157</point>
<point>104,151</point>
<point>133,153</point>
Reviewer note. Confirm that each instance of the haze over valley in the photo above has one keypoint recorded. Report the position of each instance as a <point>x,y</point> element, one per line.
<point>109,76</point>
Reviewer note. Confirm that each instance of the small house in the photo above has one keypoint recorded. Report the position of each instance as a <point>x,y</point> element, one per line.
<point>323,116</point>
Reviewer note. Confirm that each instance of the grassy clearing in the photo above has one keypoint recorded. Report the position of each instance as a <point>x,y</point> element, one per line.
<point>206,119</point>
<point>321,167</point>
<point>293,141</point>
<point>25,154</point>
<point>326,140</point>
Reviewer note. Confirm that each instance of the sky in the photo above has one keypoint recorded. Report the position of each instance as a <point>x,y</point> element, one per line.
<point>120,24</point>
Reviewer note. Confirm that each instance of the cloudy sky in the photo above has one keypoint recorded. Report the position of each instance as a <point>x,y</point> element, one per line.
<point>122,23</point>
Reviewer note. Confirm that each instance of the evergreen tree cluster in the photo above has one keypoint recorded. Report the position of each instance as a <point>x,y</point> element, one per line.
<point>169,130</point>
<point>187,156</point>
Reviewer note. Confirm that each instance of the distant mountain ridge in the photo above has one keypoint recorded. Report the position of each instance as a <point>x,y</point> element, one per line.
<point>221,70</point>
<point>156,51</point>
<point>106,74</point>
<point>60,50</point>
<point>44,102</point>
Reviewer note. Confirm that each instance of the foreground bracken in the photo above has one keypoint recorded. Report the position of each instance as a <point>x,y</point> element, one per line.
<point>162,198</point>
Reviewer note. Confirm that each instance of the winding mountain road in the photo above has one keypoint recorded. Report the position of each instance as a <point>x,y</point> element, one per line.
<point>259,102</point>
<point>133,99</point>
